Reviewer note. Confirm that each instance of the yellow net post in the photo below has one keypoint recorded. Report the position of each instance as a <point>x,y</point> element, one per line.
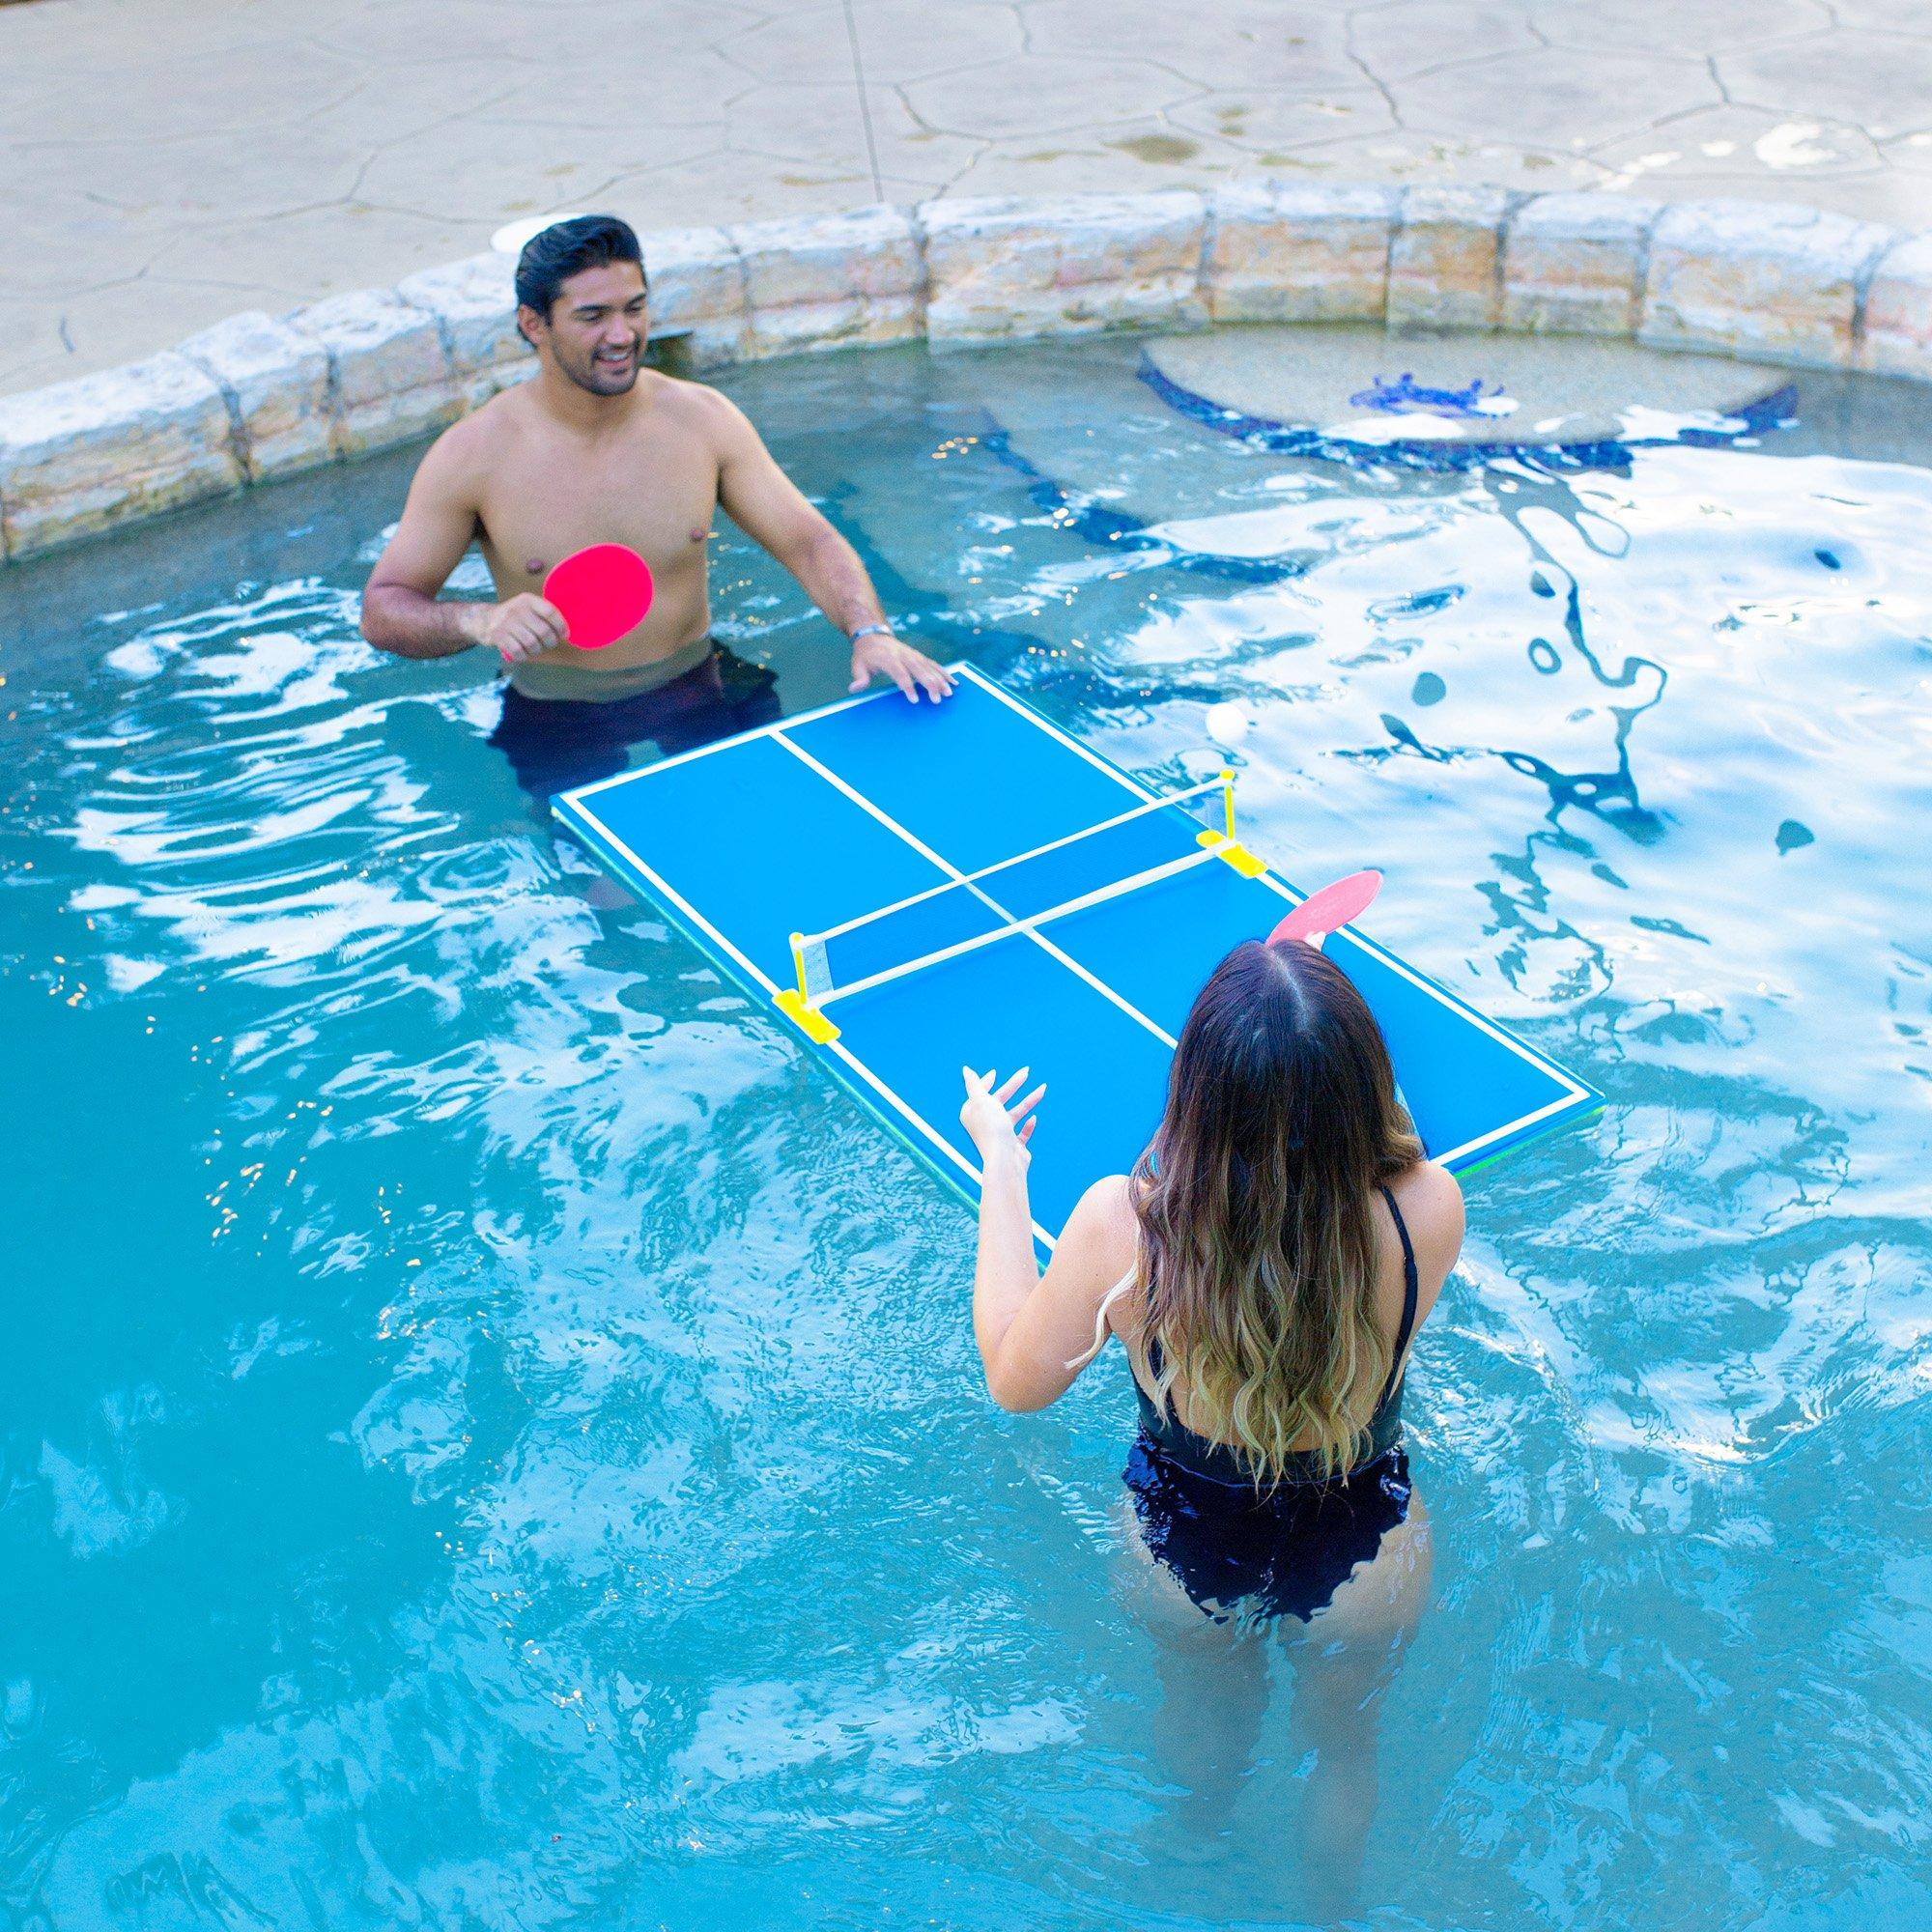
<point>795,1001</point>
<point>1223,843</point>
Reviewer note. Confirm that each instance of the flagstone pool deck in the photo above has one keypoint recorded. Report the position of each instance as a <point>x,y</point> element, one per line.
<point>172,162</point>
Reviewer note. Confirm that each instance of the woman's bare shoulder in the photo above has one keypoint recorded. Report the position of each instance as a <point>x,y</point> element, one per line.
<point>1102,1234</point>
<point>1431,1200</point>
<point>1108,1210</point>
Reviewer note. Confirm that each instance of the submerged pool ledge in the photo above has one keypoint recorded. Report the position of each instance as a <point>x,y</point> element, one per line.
<point>260,396</point>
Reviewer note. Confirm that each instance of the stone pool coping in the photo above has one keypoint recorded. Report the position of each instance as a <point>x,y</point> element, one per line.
<point>261,396</point>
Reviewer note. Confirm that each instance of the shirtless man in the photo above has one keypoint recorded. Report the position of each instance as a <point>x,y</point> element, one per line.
<point>596,449</point>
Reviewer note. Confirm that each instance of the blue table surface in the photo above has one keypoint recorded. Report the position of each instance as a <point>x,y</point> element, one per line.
<point>751,839</point>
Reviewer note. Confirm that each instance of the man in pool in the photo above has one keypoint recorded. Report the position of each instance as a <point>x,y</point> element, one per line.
<point>596,449</point>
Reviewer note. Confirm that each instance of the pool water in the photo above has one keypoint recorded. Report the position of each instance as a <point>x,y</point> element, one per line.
<point>492,1432</point>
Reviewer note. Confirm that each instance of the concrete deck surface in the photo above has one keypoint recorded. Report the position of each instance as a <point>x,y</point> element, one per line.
<point>168,162</point>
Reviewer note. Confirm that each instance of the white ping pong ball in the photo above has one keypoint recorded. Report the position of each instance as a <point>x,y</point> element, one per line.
<point>1227,724</point>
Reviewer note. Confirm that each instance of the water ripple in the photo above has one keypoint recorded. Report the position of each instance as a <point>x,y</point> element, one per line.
<point>533,1410</point>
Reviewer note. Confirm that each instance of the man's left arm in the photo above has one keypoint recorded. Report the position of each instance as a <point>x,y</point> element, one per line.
<point>770,509</point>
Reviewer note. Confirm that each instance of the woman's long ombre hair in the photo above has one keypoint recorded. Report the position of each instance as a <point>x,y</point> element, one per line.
<point>1255,1202</point>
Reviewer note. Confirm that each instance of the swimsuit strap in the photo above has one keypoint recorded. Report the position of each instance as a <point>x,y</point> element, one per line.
<point>1409,1291</point>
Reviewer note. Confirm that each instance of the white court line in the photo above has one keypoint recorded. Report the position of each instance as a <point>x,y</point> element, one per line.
<point>587,822</point>
<point>1521,1049</point>
<point>1443,996</point>
<point>1518,1125</point>
<point>926,851</point>
<point>1018,859</point>
<point>731,743</point>
<point>1030,924</point>
<point>1572,1090</point>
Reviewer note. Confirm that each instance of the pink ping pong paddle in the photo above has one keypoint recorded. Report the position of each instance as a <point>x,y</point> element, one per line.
<point>602,593</point>
<point>1330,909</point>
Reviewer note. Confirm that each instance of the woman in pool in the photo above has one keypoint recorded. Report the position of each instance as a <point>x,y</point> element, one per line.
<point>1265,1266</point>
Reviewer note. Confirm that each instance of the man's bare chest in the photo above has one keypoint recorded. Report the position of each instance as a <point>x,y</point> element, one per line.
<point>540,505</point>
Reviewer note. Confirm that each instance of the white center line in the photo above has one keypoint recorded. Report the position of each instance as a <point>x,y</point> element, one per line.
<point>926,851</point>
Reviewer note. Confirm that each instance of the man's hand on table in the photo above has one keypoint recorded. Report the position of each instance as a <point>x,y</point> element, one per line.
<point>880,654</point>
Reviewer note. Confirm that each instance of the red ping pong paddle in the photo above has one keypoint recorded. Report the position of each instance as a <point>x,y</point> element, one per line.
<point>602,593</point>
<point>1330,909</point>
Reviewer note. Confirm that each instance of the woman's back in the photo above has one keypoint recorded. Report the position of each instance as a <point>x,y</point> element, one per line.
<point>1413,1262</point>
<point>1164,1419</point>
<point>1267,1263</point>
<point>1284,1545</point>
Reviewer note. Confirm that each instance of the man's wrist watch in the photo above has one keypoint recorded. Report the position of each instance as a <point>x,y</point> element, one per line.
<point>866,630</point>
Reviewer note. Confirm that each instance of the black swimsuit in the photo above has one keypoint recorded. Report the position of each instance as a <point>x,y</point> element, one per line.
<point>1286,1551</point>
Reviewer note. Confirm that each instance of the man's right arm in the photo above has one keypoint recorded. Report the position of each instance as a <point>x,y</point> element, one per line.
<point>400,609</point>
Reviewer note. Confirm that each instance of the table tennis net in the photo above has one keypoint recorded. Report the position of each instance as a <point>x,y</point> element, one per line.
<point>832,967</point>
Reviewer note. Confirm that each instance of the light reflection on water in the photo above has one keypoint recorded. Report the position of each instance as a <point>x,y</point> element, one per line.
<point>491,1431</point>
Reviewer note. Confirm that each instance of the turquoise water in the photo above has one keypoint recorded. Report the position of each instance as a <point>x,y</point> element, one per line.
<point>492,1432</point>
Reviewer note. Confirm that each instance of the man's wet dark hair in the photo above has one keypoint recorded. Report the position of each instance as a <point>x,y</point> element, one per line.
<point>565,248</point>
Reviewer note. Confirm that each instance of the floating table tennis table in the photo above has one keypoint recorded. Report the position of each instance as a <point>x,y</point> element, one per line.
<point>923,887</point>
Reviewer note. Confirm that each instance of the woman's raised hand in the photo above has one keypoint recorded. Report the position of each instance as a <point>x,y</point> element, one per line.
<point>997,1123</point>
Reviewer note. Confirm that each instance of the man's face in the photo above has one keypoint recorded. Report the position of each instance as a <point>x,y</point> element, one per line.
<point>596,327</point>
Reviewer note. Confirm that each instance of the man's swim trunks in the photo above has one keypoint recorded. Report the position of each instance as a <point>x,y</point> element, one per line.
<point>701,692</point>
